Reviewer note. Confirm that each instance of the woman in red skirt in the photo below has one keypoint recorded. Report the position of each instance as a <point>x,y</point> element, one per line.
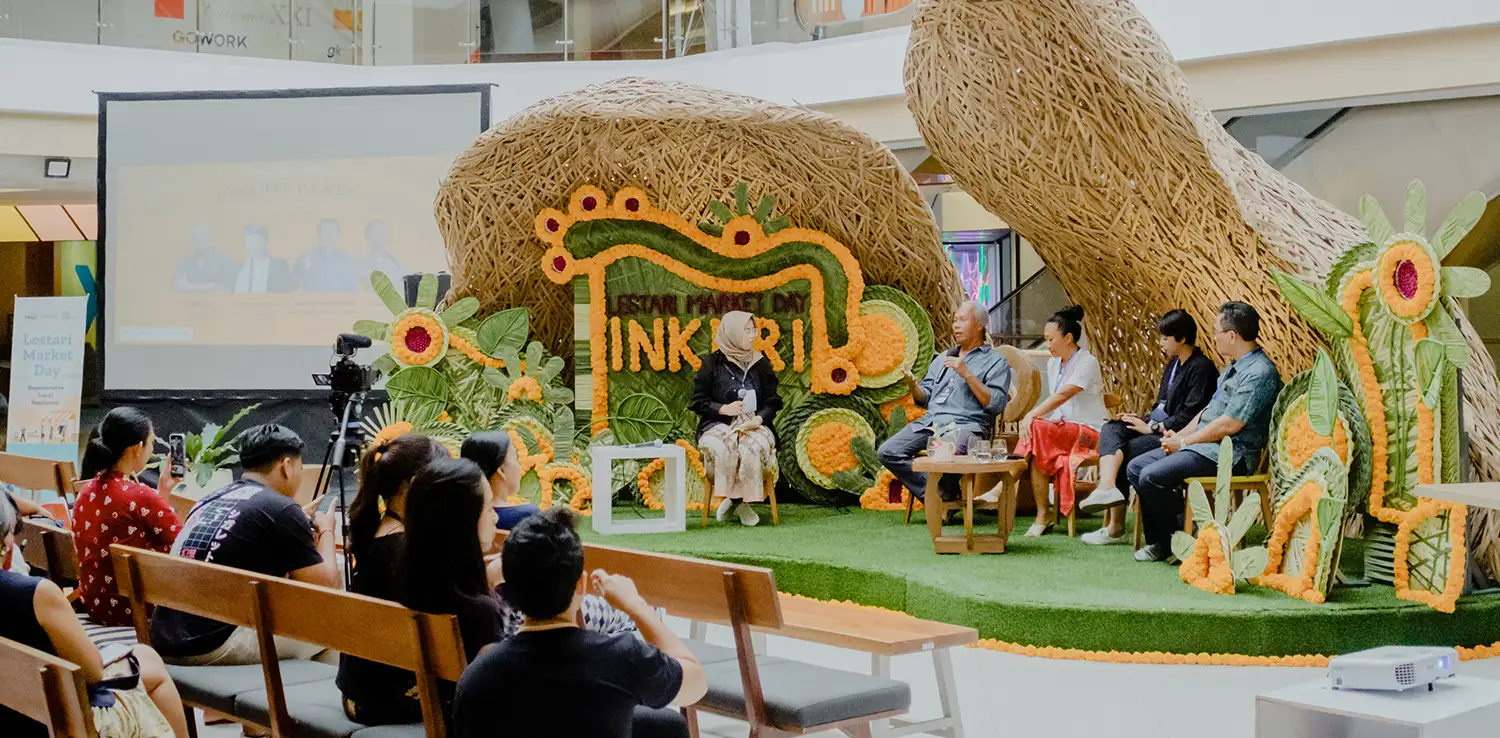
<point>114,508</point>
<point>1063,431</point>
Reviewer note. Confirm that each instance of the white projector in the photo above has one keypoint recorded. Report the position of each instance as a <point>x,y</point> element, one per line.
<point>1393,668</point>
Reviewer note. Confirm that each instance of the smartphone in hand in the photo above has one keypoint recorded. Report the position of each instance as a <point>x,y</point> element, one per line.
<point>177,455</point>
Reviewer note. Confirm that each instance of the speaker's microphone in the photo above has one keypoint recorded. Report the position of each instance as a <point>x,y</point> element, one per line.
<point>354,340</point>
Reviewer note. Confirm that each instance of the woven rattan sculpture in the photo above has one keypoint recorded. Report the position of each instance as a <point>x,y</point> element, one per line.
<point>1070,120</point>
<point>685,146</point>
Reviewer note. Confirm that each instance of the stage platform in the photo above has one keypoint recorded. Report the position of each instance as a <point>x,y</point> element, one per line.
<point>1056,591</point>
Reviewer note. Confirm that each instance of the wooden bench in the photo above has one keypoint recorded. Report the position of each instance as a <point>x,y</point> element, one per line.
<point>46,689</point>
<point>427,645</point>
<point>794,698</point>
<point>51,549</point>
<point>883,635</point>
<point>34,475</point>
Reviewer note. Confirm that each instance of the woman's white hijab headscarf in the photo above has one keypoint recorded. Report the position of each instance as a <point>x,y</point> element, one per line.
<point>732,340</point>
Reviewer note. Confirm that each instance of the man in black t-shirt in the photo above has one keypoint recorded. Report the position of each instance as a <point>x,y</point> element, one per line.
<point>555,679</point>
<point>254,525</point>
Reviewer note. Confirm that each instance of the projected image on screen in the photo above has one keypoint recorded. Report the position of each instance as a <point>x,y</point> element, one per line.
<point>240,230</point>
<point>268,253</point>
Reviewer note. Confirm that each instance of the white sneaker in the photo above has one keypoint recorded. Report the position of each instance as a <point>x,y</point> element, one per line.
<point>1102,537</point>
<point>747,514</point>
<point>991,496</point>
<point>723,512</point>
<point>1101,500</point>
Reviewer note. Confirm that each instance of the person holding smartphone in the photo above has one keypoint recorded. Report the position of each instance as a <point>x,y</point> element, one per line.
<point>114,508</point>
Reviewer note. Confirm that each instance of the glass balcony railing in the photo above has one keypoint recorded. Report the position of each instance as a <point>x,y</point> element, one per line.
<point>390,32</point>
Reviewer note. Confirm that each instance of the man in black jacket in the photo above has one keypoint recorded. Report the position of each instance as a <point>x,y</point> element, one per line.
<point>1187,385</point>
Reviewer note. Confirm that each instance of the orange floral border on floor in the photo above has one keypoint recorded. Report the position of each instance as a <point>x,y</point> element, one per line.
<point>743,238</point>
<point>1465,653</point>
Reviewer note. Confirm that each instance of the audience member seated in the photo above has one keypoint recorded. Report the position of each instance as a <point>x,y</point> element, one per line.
<point>735,397</point>
<point>1240,409</point>
<point>553,678</point>
<point>966,386</point>
<point>35,613</point>
<point>114,508</point>
<point>1187,384</point>
<point>376,693</point>
<point>1063,431</point>
<point>433,561</point>
<point>496,457</point>
<point>254,525</point>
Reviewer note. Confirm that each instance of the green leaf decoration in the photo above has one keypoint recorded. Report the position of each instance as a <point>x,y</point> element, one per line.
<point>1440,325</point>
<point>560,396</point>
<point>1323,396</point>
<point>421,391</point>
<point>777,223</point>
<point>497,379</point>
<point>1330,517</point>
<point>763,210</point>
<point>504,331</point>
<point>550,370</point>
<point>789,424</point>
<point>1376,224</point>
<point>512,364</point>
<point>1462,282</point>
<point>1416,208</point>
<point>531,488</point>
<point>460,311</point>
<point>1324,312</point>
<point>372,329</point>
<point>386,365</point>
<point>388,293</point>
<point>1431,360</point>
<point>897,422</point>
<point>427,292</point>
<point>1182,545</point>
<point>711,228</point>
<point>852,482</point>
<point>1462,219</point>
<point>1222,481</point>
<point>742,199</point>
<point>534,355</point>
<point>641,417</point>
<point>864,451</point>
<point>720,211</point>
<point>562,434</point>
<point>1250,562</point>
<point>1243,518</point>
<point>1198,500</point>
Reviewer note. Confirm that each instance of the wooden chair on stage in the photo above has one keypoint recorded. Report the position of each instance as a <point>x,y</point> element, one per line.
<point>1239,486</point>
<point>708,494</point>
<point>1087,478</point>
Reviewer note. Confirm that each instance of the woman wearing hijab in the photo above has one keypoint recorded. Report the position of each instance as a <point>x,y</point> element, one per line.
<point>735,395</point>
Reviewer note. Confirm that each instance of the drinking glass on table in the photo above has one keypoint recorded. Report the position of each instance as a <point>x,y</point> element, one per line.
<point>979,449</point>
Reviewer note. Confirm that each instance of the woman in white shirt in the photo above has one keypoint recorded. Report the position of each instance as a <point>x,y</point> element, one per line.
<point>1063,431</point>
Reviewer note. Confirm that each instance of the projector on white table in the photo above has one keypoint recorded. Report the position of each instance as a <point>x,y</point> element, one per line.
<point>1392,668</point>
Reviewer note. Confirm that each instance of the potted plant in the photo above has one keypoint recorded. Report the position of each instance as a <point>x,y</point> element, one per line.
<point>211,456</point>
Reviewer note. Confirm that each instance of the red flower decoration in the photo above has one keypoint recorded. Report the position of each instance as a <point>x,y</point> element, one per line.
<point>1406,279</point>
<point>589,203</point>
<point>632,204</point>
<point>741,237</point>
<point>559,264</point>
<point>418,339</point>
<point>552,225</point>
<point>838,375</point>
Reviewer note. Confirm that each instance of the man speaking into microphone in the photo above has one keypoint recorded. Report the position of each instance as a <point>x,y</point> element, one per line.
<point>966,386</point>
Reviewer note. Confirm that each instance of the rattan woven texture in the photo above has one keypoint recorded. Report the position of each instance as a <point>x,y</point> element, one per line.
<point>1071,120</point>
<point>685,146</point>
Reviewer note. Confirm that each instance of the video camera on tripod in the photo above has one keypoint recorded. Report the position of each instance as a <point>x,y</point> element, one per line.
<point>348,384</point>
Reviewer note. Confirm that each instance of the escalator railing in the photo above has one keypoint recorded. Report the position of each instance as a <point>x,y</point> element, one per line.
<point>1018,317</point>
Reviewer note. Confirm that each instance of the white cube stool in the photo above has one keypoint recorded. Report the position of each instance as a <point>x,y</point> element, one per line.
<point>1461,707</point>
<point>673,494</point>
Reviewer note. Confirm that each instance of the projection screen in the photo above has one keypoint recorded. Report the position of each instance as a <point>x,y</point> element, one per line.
<point>240,230</point>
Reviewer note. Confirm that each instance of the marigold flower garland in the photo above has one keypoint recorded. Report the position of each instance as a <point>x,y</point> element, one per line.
<point>643,478</point>
<point>878,496</point>
<point>1304,503</point>
<point>1206,568</point>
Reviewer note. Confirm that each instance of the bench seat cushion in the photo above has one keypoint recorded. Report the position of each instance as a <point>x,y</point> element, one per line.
<point>709,654</point>
<point>316,709</point>
<point>415,730</point>
<point>215,687</point>
<point>802,695</point>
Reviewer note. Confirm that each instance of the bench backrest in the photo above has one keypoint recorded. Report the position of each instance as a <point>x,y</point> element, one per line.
<point>692,588</point>
<point>35,474</point>
<point>366,627</point>
<point>46,689</point>
<point>50,548</point>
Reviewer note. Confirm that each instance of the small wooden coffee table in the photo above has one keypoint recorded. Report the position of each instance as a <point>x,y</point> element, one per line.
<point>976,477</point>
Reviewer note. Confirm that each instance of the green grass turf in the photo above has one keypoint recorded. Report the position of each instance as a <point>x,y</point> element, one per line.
<point>1056,591</point>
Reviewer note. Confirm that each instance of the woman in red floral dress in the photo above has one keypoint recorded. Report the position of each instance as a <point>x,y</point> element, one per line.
<point>114,508</point>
